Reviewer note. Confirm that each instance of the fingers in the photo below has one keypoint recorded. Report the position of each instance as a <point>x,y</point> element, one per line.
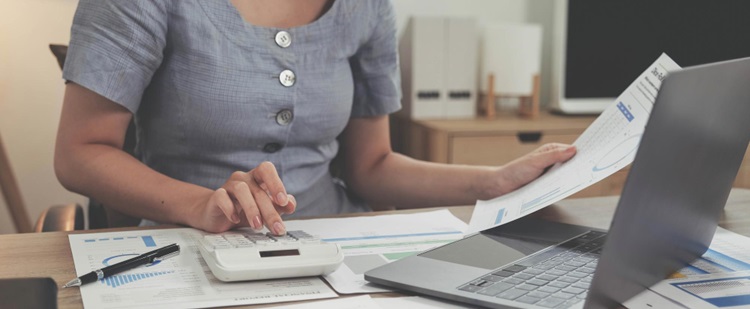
<point>252,193</point>
<point>221,199</point>
<point>290,207</point>
<point>267,184</point>
<point>256,205</point>
<point>268,178</point>
<point>244,197</point>
<point>550,154</point>
<point>259,196</point>
<point>268,212</point>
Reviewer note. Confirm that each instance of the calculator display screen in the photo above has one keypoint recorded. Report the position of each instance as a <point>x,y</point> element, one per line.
<point>275,253</point>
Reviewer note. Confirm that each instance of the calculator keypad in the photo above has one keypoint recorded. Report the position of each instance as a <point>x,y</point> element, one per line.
<point>246,239</point>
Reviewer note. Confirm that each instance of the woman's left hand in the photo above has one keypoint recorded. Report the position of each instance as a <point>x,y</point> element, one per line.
<point>523,170</point>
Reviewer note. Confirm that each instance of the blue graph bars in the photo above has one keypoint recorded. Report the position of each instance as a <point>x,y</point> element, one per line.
<point>118,280</point>
<point>499,217</point>
<point>147,240</point>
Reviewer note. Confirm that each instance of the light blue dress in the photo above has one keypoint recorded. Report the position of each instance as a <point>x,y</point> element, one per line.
<point>212,94</point>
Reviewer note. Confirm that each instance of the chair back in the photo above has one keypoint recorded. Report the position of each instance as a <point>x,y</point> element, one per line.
<point>60,51</point>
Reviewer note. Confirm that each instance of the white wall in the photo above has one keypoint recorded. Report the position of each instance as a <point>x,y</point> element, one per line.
<point>542,12</point>
<point>31,87</point>
<point>500,10</point>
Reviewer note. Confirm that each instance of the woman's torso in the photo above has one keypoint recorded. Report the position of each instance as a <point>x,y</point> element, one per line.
<point>217,105</point>
<point>213,94</point>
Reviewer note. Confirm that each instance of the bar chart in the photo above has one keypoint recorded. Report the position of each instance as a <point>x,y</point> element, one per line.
<point>120,280</point>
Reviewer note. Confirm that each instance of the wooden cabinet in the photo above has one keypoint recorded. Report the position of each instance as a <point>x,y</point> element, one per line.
<point>498,141</point>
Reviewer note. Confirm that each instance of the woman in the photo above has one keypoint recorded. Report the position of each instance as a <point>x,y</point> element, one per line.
<point>239,103</point>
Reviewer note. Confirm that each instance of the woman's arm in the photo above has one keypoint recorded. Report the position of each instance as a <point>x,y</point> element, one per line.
<point>89,160</point>
<point>384,177</point>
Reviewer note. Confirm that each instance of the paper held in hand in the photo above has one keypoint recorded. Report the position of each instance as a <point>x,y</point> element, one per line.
<point>608,145</point>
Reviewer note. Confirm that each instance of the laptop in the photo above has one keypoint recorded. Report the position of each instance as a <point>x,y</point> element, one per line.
<point>678,185</point>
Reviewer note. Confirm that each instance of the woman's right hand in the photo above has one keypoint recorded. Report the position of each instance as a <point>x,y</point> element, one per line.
<point>253,199</point>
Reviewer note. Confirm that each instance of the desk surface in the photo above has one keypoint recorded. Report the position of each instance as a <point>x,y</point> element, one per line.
<point>49,255</point>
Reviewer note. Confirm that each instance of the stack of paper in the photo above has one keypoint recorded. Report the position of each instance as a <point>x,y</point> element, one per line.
<point>185,281</point>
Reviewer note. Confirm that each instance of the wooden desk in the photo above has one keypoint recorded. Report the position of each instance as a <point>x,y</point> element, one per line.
<point>49,255</point>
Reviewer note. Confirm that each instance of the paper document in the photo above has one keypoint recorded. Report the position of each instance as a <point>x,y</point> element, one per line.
<point>417,302</point>
<point>719,279</point>
<point>723,290</point>
<point>367,302</point>
<point>184,281</point>
<point>648,299</point>
<point>369,242</point>
<point>608,145</point>
<point>356,302</point>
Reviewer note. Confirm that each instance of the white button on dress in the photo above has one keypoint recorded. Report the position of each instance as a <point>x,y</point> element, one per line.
<point>283,39</point>
<point>284,117</point>
<point>287,78</point>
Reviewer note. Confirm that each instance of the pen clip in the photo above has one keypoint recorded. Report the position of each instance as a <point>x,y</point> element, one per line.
<point>164,257</point>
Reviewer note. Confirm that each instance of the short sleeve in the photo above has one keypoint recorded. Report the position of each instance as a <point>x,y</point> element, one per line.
<point>375,68</point>
<point>116,46</point>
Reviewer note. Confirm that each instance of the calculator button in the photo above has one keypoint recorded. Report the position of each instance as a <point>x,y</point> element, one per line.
<point>217,242</point>
<point>239,241</point>
<point>245,245</point>
<point>281,237</point>
<point>299,234</point>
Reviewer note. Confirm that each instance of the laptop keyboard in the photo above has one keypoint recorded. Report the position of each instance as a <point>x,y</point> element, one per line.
<point>556,278</point>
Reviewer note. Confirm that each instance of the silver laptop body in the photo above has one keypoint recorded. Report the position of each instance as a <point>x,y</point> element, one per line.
<point>678,185</point>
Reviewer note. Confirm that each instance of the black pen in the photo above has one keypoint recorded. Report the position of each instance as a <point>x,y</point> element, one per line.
<point>143,259</point>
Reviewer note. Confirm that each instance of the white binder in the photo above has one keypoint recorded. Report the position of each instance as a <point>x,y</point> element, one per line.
<point>438,67</point>
<point>460,79</point>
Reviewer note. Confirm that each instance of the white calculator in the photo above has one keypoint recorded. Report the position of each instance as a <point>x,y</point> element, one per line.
<point>246,255</point>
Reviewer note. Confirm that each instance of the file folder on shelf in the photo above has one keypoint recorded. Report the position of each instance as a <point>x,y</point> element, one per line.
<point>460,80</point>
<point>439,67</point>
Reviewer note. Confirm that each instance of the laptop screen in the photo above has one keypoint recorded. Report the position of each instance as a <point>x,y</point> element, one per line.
<point>680,180</point>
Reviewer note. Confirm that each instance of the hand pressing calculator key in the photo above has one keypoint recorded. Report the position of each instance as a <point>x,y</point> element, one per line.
<point>246,255</point>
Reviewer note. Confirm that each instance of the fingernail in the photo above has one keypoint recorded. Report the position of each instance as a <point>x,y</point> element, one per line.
<point>281,199</point>
<point>279,229</point>
<point>256,225</point>
<point>235,219</point>
<point>292,199</point>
